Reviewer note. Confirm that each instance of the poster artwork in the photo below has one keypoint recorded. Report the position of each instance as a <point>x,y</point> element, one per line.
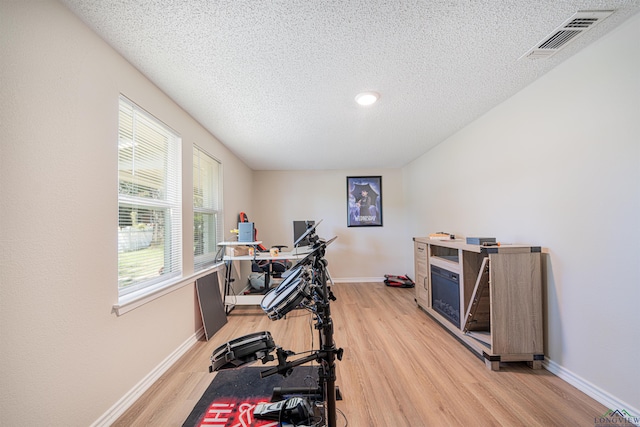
<point>364,198</point>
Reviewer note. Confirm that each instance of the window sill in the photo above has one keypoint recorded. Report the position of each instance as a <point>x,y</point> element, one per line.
<point>130,302</point>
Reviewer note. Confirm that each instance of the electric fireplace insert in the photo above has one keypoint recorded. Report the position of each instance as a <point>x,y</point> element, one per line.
<point>445,294</point>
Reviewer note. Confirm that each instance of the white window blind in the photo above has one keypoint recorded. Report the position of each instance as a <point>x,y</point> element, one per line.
<point>149,201</point>
<point>207,215</point>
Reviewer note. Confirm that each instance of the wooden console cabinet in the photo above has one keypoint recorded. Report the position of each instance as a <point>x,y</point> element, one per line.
<point>498,312</point>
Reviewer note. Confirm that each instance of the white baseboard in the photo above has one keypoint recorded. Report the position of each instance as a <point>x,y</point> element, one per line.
<point>589,389</point>
<point>358,279</point>
<point>138,390</point>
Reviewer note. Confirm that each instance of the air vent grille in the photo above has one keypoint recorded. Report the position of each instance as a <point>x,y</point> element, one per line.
<point>569,30</point>
<point>581,23</point>
<point>558,39</point>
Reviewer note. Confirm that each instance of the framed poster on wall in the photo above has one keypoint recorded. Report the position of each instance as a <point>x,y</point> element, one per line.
<point>364,201</point>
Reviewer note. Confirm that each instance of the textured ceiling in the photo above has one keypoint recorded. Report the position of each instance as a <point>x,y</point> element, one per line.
<point>275,81</point>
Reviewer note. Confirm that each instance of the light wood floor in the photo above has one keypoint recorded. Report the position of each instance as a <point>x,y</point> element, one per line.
<point>400,368</point>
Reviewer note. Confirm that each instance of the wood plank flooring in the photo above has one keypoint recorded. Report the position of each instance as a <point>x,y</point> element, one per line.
<point>400,368</point>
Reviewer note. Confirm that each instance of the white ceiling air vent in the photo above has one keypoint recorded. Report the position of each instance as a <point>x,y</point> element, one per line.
<point>570,29</point>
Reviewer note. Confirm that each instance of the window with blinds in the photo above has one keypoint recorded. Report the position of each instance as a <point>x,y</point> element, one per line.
<point>207,215</point>
<point>149,200</point>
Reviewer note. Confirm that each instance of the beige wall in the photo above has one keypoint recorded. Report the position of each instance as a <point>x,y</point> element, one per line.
<point>558,165</point>
<point>65,359</point>
<point>359,253</point>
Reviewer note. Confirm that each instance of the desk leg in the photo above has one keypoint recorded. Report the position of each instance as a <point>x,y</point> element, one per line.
<point>267,277</point>
<point>227,285</point>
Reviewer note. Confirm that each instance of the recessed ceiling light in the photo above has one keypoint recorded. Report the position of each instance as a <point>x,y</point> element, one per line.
<point>367,98</point>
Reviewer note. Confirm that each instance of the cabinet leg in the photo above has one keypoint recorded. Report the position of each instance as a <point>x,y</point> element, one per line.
<point>491,361</point>
<point>492,364</point>
<point>535,364</point>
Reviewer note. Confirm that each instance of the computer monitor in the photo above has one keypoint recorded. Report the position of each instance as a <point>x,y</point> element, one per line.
<point>299,227</point>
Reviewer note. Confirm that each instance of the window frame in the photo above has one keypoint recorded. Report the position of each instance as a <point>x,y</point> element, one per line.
<point>156,289</point>
<point>170,203</point>
<point>209,258</point>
